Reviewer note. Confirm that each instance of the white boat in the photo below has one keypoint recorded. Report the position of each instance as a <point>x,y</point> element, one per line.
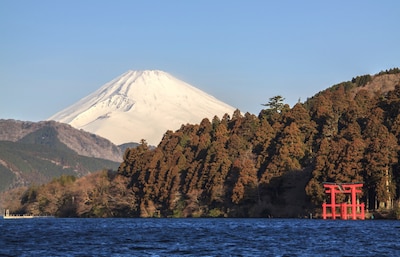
<point>8,215</point>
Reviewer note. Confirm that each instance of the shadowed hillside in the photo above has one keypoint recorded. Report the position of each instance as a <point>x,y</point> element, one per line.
<point>25,164</point>
<point>34,153</point>
<point>81,142</point>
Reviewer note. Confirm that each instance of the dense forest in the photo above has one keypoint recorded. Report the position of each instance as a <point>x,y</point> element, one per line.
<point>243,165</point>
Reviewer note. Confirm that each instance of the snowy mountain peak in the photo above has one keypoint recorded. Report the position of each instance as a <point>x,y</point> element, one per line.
<point>141,105</point>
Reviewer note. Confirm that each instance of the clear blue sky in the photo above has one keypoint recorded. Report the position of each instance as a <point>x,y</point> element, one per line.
<point>53,53</point>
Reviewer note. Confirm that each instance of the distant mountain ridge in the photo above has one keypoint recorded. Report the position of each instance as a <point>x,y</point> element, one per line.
<point>36,152</point>
<point>79,141</point>
<point>141,105</point>
<point>25,164</point>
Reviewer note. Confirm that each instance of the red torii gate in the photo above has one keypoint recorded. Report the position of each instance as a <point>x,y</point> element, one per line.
<point>356,209</point>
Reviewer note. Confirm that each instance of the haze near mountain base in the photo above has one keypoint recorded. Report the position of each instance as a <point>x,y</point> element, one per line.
<point>141,105</point>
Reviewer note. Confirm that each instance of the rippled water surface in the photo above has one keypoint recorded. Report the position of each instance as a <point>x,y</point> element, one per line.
<point>198,237</point>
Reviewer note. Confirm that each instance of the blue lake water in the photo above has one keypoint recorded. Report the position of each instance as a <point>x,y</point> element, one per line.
<point>198,237</point>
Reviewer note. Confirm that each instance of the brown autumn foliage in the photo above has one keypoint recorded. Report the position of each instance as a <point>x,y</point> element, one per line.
<point>273,164</point>
<point>100,194</point>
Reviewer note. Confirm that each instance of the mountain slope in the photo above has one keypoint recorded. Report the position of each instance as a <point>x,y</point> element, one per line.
<point>81,142</point>
<point>35,152</point>
<point>141,105</point>
<point>23,164</point>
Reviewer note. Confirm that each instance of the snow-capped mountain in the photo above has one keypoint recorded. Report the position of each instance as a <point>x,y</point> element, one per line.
<point>141,105</point>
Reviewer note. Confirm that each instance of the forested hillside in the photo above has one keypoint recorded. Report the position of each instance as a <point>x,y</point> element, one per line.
<point>273,164</point>
<point>81,142</point>
<point>23,164</point>
<point>33,153</point>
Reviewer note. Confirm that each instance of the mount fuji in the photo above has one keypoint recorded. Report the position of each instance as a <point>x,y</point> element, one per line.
<point>141,105</point>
